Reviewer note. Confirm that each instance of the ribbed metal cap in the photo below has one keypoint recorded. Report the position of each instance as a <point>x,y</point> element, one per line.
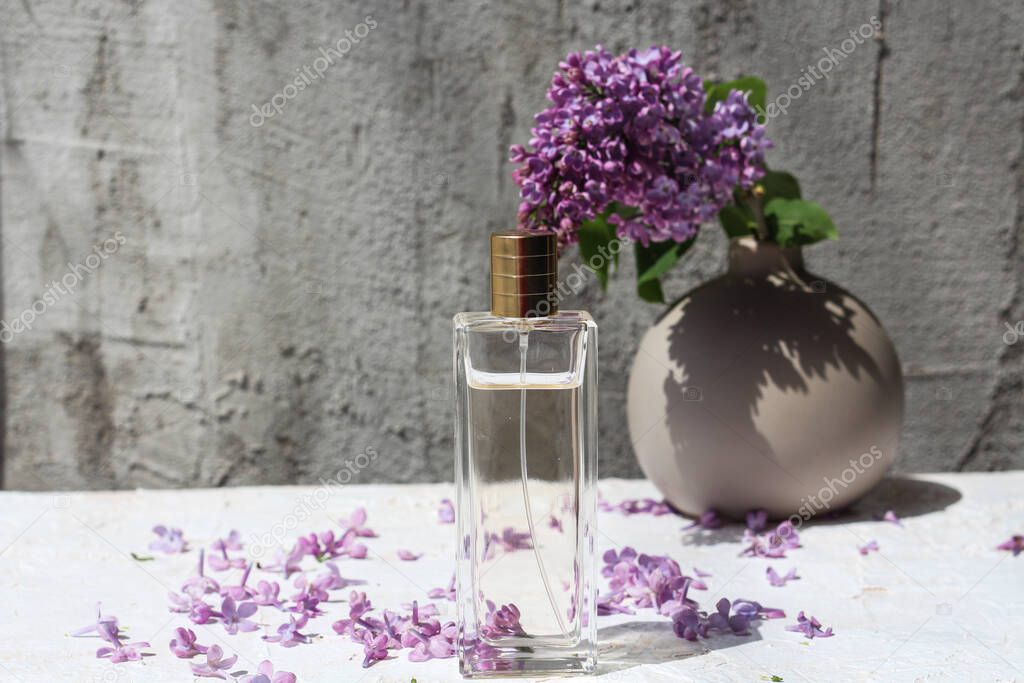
<point>524,274</point>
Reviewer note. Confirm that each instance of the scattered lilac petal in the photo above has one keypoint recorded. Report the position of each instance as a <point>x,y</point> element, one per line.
<point>184,644</point>
<point>891,517</point>
<point>235,617</point>
<point>233,541</point>
<point>216,664</point>
<point>357,523</point>
<point>446,512</point>
<point>288,635</point>
<point>776,580</point>
<point>773,544</point>
<point>868,547</point>
<point>199,585</point>
<point>502,621</point>
<point>1015,545</point>
<point>375,648</point>
<point>101,626</point>
<point>170,541</point>
<point>443,593</point>
<point>757,520</point>
<point>265,674</point>
<point>408,555</point>
<point>707,520</point>
<point>810,627</point>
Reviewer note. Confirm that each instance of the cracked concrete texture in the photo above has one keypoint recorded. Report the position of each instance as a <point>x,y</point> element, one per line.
<point>283,295</point>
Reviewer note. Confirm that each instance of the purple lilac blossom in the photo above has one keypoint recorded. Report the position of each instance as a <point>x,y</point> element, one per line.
<point>632,129</point>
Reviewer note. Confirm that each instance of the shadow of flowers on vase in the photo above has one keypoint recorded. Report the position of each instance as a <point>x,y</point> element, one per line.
<point>765,371</point>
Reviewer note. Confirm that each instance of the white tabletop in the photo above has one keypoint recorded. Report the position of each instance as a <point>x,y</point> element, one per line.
<point>938,602</point>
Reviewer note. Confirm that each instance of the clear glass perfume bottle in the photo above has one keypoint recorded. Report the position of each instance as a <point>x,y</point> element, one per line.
<point>526,468</point>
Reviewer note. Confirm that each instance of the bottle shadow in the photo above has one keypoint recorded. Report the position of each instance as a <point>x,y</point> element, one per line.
<point>636,643</point>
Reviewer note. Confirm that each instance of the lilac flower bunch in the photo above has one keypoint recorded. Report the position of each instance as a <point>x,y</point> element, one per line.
<point>639,580</point>
<point>633,129</point>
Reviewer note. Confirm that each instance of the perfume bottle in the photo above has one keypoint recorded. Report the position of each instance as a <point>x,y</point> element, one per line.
<point>526,468</point>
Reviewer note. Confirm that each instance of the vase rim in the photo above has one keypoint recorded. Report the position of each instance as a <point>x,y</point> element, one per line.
<point>750,256</point>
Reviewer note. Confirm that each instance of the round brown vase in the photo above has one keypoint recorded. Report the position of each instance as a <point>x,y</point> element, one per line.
<point>768,387</point>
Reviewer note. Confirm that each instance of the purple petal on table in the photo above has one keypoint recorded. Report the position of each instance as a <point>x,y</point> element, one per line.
<point>170,541</point>
<point>868,547</point>
<point>1015,545</point>
<point>265,674</point>
<point>757,520</point>
<point>289,635</point>
<point>810,627</point>
<point>375,648</point>
<point>99,626</point>
<point>891,517</point>
<point>446,512</point>
<point>708,519</point>
<point>408,555</point>
<point>215,665</point>
<point>184,644</point>
<point>357,523</point>
<point>776,580</point>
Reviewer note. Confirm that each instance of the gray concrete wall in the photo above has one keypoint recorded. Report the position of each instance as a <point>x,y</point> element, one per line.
<point>283,294</point>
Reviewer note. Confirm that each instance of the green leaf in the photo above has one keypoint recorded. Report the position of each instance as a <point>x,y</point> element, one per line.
<point>652,262</point>
<point>142,558</point>
<point>798,221</point>
<point>595,236</point>
<point>736,222</point>
<point>779,184</point>
<point>651,292</point>
<point>757,91</point>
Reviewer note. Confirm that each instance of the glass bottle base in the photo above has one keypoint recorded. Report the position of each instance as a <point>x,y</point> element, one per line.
<point>484,661</point>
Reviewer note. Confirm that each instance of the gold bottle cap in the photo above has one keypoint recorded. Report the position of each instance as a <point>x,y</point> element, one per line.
<point>524,274</point>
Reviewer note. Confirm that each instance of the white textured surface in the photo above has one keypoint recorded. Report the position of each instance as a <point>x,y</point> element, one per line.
<point>937,603</point>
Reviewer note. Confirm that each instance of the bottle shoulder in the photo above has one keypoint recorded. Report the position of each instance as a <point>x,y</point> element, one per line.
<point>485,320</point>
